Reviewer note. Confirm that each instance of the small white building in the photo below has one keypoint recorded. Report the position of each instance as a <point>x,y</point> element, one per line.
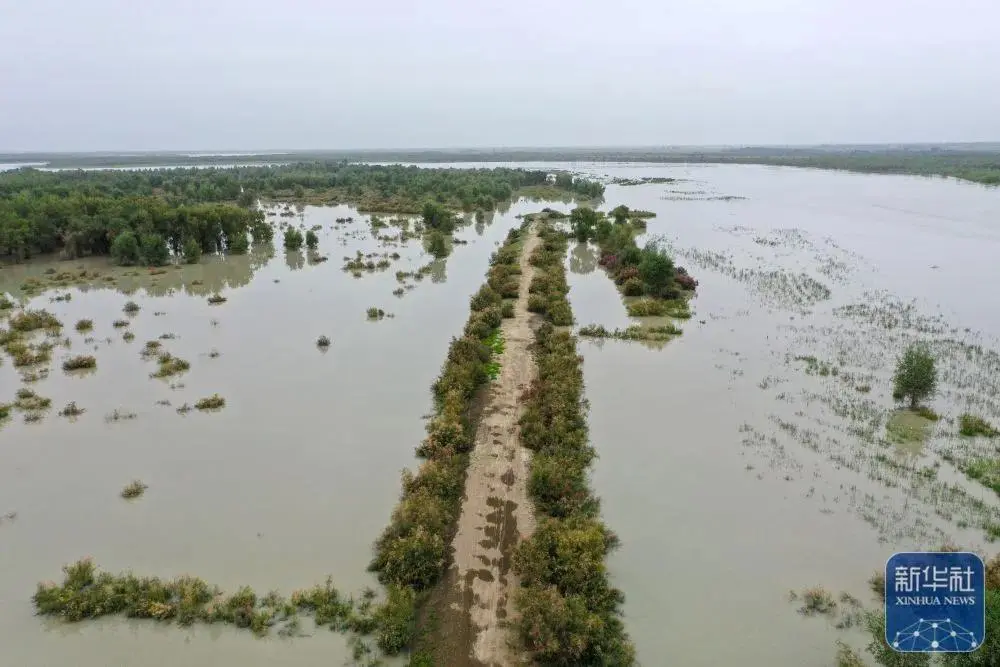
<point>550,178</point>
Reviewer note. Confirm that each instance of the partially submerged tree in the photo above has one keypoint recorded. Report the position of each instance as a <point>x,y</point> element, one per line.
<point>916,375</point>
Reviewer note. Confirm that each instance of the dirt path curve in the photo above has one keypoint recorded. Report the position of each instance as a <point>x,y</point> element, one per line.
<point>497,513</point>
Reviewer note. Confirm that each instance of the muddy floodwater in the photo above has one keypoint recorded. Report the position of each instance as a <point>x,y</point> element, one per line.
<point>290,483</point>
<point>744,459</point>
<point>734,472</point>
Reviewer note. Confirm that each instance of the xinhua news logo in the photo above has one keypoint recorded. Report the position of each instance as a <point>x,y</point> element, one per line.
<point>935,602</point>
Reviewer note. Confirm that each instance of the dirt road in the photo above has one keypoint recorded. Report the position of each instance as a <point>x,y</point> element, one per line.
<point>496,512</point>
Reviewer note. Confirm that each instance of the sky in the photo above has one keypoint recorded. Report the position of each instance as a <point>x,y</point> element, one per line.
<point>311,74</point>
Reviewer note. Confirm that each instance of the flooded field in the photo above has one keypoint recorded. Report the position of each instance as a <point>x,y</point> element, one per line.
<point>288,483</point>
<point>746,458</point>
<point>749,457</point>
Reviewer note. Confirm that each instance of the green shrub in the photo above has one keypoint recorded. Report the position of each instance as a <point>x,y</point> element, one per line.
<point>486,297</point>
<point>632,287</point>
<point>293,239</point>
<point>312,241</point>
<point>238,243</point>
<point>192,251</point>
<point>79,362</point>
<point>395,620</point>
<point>213,402</point>
<point>507,309</point>
<point>536,303</point>
<point>125,249</point>
<point>32,320</point>
<point>971,425</point>
<point>154,250</point>
<point>84,325</point>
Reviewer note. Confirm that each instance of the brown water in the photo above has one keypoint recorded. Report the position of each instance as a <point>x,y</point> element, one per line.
<point>730,473</point>
<point>292,481</point>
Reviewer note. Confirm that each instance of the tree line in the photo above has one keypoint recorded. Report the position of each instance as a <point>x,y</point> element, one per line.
<point>163,211</point>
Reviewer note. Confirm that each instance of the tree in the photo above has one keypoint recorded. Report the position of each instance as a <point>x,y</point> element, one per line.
<point>154,250</point>
<point>125,249</point>
<point>916,375</point>
<point>583,220</point>
<point>656,269</point>
<point>620,214</point>
<point>192,251</point>
<point>238,243</point>
<point>311,240</point>
<point>438,217</point>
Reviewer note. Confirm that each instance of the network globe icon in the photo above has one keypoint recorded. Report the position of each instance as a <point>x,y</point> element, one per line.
<point>935,635</point>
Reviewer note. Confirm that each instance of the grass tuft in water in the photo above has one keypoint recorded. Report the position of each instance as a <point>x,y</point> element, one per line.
<point>71,410</point>
<point>323,341</point>
<point>79,362</point>
<point>29,401</point>
<point>169,365</point>
<point>131,308</point>
<point>216,299</point>
<point>134,489</point>
<point>33,320</point>
<point>972,425</point>
<point>213,402</point>
<point>84,325</point>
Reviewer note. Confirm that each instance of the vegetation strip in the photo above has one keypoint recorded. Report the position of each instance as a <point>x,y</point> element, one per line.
<point>412,553</point>
<point>568,611</point>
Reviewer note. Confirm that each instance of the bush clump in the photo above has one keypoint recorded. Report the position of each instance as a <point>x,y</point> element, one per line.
<point>216,299</point>
<point>79,362</point>
<point>293,239</point>
<point>971,426</point>
<point>213,402</point>
<point>134,489</point>
<point>32,320</point>
<point>85,325</point>
<point>323,341</point>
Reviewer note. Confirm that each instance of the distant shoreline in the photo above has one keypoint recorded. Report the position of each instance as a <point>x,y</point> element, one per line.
<point>978,163</point>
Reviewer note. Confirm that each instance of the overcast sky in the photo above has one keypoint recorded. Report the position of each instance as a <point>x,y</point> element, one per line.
<point>255,74</point>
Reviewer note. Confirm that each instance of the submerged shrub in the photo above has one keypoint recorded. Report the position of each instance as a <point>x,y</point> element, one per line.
<point>293,239</point>
<point>134,489</point>
<point>323,341</point>
<point>32,320</point>
<point>84,325</point>
<point>213,402</point>
<point>312,241</point>
<point>79,362</point>
<point>971,425</point>
<point>131,308</point>
<point>632,287</point>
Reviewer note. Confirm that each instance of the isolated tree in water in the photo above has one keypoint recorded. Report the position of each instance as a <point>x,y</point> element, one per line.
<point>916,375</point>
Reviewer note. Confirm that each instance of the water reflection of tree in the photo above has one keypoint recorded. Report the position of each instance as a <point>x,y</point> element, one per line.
<point>583,258</point>
<point>483,220</point>
<point>438,274</point>
<point>211,275</point>
<point>295,259</point>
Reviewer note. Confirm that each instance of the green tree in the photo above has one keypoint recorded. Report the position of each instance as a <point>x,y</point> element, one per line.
<point>192,251</point>
<point>916,375</point>
<point>583,221</point>
<point>620,214</point>
<point>311,240</point>
<point>438,217</point>
<point>125,249</point>
<point>238,243</point>
<point>656,269</point>
<point>154,250</point>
